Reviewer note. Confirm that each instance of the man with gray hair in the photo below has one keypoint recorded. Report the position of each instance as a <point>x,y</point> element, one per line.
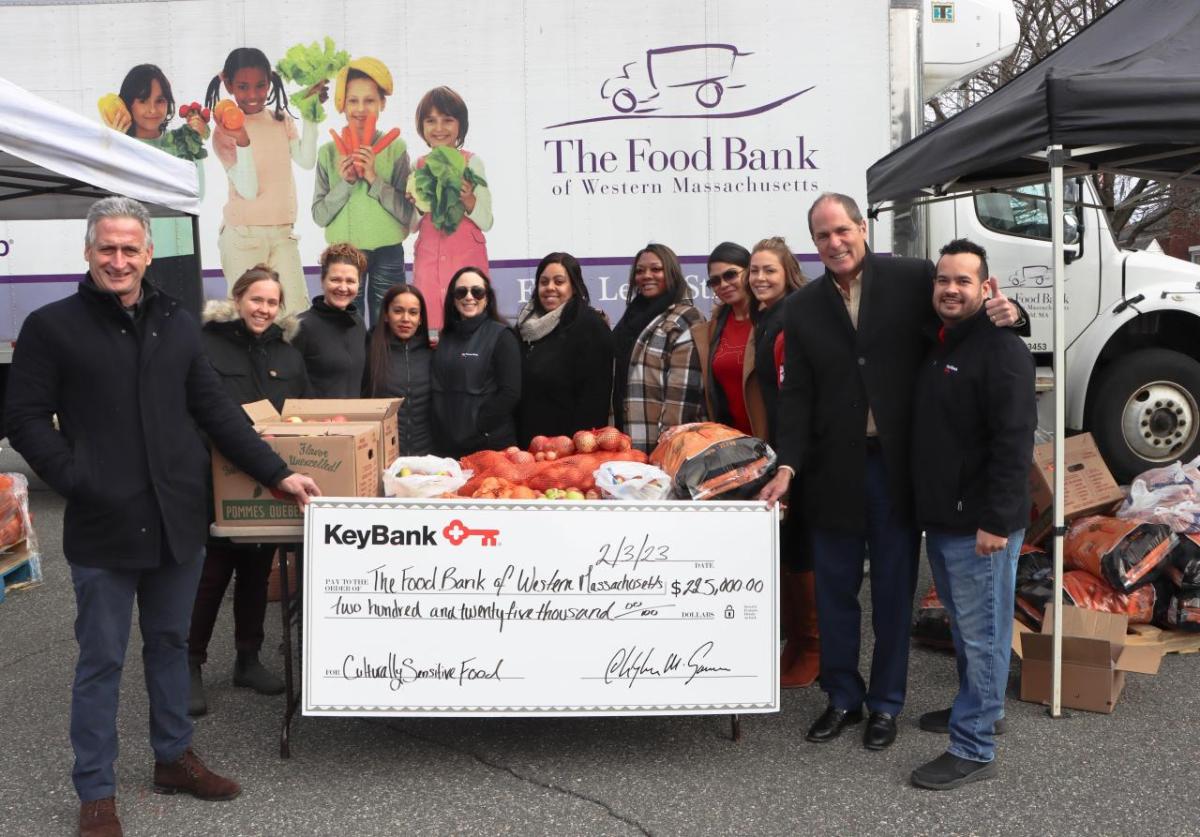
<point>122,367</point>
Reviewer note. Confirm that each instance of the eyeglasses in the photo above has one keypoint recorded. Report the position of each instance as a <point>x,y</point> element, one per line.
<point>477,291</point>
<point>730,275</point>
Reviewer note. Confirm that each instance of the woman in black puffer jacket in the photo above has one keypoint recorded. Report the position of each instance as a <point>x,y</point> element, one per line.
<point>332,336</point>
<point>399,359</point>
<point>253,356</point>
<point>476,371</point>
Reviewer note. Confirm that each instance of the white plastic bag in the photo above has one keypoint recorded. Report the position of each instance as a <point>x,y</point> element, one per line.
<point>632,481</point>
<point>1175,504</point>
<point>423,476</point>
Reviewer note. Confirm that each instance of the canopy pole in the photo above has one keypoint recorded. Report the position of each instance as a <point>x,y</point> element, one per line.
<point>1057,158</point>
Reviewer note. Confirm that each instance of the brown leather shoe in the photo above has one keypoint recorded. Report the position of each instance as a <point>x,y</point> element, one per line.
<point>802,666</point>
<point>187,774</point>
<point>98,818</point>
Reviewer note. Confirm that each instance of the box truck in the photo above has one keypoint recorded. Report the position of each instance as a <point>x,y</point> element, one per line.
<point>605,126</point>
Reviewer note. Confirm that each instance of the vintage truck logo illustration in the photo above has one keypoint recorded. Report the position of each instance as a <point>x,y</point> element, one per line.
<point>684,81</point>
<point>703,70</point>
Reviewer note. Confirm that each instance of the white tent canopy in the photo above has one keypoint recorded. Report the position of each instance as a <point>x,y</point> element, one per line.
<point>55,163</point>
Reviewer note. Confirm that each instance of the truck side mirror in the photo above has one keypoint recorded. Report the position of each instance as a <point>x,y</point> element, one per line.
<point>1072,237</point>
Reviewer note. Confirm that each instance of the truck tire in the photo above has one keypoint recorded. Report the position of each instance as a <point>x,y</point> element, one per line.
<point>1145,412</point>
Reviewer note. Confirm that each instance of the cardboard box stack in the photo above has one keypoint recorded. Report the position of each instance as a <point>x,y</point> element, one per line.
<point>342,457</point>
<point>380,410</point>
<point>1090,488</point>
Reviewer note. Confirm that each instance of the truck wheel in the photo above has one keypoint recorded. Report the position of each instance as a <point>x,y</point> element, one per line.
<point>624,100</point>
<point>1145,411</point>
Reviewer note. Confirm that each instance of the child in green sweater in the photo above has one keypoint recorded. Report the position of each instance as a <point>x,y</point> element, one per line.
<point>359,195</point>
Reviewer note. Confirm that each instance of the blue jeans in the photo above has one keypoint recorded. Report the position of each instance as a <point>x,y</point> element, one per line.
<point>385,267</point>
<point>104,610</point>
<point>977,592</point>
<point>893,547</point>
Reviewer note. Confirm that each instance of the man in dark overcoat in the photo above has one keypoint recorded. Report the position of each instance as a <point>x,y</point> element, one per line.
<point>108,393</point>
<point>853,343</point>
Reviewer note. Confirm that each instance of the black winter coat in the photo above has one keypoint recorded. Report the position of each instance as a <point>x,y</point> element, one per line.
<point>131,399</point>
<point>476,387</point>
<point>254,367</point>
<point>566,377</point>
<point>767,326</point>
<point>409,376</point>
<point>973,425</point>
<point>334,344</point>
<point>832,372</point>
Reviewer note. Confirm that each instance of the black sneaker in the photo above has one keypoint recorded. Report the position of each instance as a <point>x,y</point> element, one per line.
<point>948,772</point>
<point>939,721</point>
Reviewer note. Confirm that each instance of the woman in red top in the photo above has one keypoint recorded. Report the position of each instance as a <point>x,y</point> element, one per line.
<point>726,345</point>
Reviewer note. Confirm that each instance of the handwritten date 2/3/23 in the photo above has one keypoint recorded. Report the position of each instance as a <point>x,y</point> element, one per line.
<point>630,663</point>
<point>630,551</point>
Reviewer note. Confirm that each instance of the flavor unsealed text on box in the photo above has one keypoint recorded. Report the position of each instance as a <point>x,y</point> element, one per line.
<point>342,458</point>
<point>381,410</point>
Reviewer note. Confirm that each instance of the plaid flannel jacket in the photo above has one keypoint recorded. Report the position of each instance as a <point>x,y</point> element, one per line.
<point>666,386</point>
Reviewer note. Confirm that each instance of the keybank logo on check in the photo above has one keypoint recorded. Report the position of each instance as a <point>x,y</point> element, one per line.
<point>379,535</point>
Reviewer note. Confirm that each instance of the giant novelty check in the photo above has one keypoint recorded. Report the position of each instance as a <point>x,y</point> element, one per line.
<point>484,607</point>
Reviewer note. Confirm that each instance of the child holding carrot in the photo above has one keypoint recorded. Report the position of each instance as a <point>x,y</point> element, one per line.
<point>359,196</point>
<point>257,147</point>
<point>440,252</point>
<point>143,109</point>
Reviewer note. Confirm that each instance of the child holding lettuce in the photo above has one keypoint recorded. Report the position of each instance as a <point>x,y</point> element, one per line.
<point>450,233</point>
<point>359,196</point>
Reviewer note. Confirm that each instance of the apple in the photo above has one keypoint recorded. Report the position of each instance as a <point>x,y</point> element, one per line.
<point>551,455</point>
<point>406,472</point>
<point>540,456</point>
<point>574,494</point>
<point>538,443</point>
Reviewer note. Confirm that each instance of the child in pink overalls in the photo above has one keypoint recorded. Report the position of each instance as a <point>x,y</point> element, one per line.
<point>442,120</point>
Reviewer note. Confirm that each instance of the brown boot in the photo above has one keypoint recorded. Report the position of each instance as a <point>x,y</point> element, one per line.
<point>98,818</point>
<point>187,774</point>
<point>805,665</point>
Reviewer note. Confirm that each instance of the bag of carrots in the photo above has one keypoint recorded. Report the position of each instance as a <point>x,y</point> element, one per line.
<point>1085,590</point>
<point>1125,553</point>
<point>573,471</point>
<point>709,461</point>
<point>932,624</point>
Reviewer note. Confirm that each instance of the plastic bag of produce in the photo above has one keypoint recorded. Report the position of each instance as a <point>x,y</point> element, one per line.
<point>423,476</point>
<point>1125,553</point>
<point>1177,610</point>
<point>932,623</point>
<point>1183,566</point>
<point>709,461</point>
<point>1176,505</point>
<point>1083,589</point>
<point>1035,586</point>
<point>632,481</point>
<point>16,525</point>
<point>574,471</point>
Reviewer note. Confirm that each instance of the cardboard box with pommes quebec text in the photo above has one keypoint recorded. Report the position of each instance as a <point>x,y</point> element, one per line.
<point>342,458</point>
<point>1095,659</point>
<point>1090,488</point>
<point>382,410</point>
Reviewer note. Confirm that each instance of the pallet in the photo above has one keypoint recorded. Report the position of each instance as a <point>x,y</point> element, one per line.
<point>1170,642</point>
<point>15,570</point>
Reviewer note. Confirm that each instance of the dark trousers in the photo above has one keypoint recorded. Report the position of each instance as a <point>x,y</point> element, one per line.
<point>104,612</point>
<point>252,565</point>
<point>385,267</point>
<point>892,544</point>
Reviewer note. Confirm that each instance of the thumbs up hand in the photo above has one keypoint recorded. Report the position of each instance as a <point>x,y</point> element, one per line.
<point>1000,309</point>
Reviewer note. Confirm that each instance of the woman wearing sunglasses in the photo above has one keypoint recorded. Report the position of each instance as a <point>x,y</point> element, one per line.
<point>476,371</point>
<point>726,345</point>
<point>656,375</point>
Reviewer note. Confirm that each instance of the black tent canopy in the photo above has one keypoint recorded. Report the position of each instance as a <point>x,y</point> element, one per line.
<point>1123,95</point>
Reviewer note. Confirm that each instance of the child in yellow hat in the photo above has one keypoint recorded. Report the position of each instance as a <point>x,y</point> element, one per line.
<point>359,194</point>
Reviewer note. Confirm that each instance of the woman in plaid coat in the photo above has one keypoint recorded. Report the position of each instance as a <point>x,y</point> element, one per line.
<point>657,382</point>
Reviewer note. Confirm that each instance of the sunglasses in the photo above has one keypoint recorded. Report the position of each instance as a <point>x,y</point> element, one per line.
<point>477,291</point>
<point>730,275</point>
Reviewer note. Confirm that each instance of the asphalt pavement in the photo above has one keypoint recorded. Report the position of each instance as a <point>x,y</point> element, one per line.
<point>1130,772</point>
